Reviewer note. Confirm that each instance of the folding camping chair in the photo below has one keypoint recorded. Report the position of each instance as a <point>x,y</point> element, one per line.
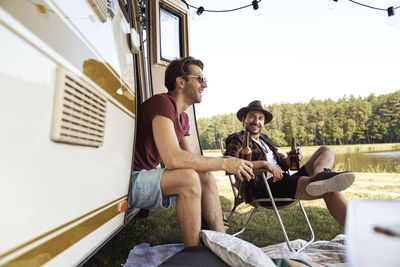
<point>239,199</point>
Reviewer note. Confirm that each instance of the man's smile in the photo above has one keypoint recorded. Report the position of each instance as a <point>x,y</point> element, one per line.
<point>255,126</point>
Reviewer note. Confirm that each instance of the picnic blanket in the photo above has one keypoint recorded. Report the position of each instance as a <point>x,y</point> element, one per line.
<point>331,253</point>
<point>145,255</point>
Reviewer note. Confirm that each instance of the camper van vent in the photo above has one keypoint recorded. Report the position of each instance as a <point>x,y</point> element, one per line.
<point>79,111</point>
<point>103,8</point>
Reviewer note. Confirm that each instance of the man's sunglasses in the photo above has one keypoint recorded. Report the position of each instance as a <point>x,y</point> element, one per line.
<point>201,79</point>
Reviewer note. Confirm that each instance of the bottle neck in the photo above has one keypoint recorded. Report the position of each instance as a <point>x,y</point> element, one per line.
<point>294,146</point>
<point>246,139</point>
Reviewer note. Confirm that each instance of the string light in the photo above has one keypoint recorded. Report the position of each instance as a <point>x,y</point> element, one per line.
<point>202,9</point>
<point>331,4</point>
<point>257,10</point>
<point>391,17</point>
<point>197,14</point>
<point>390,10</point>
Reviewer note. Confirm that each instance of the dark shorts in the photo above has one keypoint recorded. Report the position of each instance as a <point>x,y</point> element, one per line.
<point>285,188</point>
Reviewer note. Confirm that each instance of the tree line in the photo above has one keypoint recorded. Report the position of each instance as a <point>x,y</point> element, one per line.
<point>349,120</point>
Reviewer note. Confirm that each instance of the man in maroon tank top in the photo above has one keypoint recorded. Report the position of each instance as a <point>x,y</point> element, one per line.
<point>162,135</point>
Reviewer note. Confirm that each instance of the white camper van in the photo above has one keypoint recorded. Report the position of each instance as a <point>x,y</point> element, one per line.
<point>72,74</point>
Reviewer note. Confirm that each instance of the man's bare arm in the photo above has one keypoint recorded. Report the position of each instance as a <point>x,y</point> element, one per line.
<point>186,145</point>
<point>174,157</point>
<point>265,165</point>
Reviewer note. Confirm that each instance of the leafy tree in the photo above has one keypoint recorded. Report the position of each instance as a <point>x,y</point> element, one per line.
<point>348,120</point>
<point>349,128</point>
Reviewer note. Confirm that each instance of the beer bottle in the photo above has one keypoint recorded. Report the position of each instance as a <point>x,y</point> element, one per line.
<point>294,156</point>
<point>245,188</point>
<point>245,151</point>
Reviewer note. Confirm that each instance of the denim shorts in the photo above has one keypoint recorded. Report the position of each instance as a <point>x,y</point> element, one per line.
<point>145,191</point>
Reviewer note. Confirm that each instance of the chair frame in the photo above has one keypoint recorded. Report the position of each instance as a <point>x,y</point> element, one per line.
<point>255,203</point>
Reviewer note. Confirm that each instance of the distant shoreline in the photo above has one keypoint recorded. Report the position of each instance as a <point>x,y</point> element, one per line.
<point>308,150</point>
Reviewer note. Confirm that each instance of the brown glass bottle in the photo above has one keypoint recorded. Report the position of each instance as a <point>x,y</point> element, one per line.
<point>245,151</point>
<point>294,156</point>
<point>245,187</point>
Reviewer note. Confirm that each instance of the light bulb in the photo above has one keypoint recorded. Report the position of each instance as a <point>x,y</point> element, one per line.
<point>256,8</point>
<point>391,17</point>
<point>332,4</point>
<point>197,14</point>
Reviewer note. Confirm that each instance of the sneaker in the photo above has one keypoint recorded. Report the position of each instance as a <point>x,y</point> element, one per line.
<point>329,181</point>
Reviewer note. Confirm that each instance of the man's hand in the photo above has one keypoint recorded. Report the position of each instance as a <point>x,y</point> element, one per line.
<point>263,166</point>
<point>300,156</point>
<point>276,172</point>
<point>243,169</point>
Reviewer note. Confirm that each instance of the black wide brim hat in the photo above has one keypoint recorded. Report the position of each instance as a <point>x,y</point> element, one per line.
<point>255,105</point>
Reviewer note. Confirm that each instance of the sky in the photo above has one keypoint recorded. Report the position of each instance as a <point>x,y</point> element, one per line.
<point>295,50</point>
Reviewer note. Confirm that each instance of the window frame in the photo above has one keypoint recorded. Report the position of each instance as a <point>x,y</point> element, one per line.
<point>181,29</point>
<point>176,9</point>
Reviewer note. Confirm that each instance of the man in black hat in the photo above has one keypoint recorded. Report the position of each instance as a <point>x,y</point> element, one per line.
<point>313,180</point>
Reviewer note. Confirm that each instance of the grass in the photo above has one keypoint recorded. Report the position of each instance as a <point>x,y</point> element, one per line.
<point>162,227</point>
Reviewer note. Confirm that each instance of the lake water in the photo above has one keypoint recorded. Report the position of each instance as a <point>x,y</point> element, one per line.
<point>364,161</point>
<point>385,161</point>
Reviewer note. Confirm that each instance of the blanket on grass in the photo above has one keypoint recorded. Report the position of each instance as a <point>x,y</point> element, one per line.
<point>330,253</point>
<point>145,255</point>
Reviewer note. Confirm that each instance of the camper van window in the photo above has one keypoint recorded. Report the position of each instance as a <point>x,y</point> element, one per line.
<point>171,37</point>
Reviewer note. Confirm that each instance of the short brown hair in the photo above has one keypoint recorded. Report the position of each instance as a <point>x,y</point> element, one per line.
<point>178,68</point>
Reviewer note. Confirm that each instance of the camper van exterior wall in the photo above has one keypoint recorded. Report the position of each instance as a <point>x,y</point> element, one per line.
<point>60,197</point>
<point>70,75</point>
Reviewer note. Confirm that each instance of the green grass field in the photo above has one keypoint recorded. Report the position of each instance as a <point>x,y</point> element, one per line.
<point>162,227</point>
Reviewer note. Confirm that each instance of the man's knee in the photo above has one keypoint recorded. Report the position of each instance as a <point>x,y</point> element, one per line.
<point>327,150</point>
<point>207,179</point>
<point>206,176</point>
<point>191,183</point>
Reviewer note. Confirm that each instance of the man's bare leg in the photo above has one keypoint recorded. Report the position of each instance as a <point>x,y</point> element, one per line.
<point>211,204</point>
<point>334,201</point>
<point>185,183</point>
<point>323,157</point>
<point>337,206</point>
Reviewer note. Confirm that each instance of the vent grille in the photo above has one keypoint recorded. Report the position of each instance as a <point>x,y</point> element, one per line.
<point>79,111</point>
<point>103,8</point>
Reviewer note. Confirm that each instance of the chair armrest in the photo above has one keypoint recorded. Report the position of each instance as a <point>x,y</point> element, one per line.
<point>259,170</point>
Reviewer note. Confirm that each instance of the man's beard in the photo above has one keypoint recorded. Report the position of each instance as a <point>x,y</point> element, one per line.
<point>247,128</point>
<point>194,96</point>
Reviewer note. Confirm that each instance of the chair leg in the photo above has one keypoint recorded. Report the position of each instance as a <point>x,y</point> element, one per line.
<point>309,228</point>
<point>281,223</point>
<point>235,205</point>
<point>247,223</point>
<point>278,216</point>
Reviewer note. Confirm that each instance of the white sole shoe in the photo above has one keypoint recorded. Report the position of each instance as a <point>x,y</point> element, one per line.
<point>336,183</point>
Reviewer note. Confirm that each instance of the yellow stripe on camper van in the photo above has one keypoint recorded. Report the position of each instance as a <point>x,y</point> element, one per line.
<point>39,255</point>
<point>83,56</point>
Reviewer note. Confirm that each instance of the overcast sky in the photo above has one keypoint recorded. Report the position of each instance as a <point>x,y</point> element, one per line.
<point>293,51</point>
